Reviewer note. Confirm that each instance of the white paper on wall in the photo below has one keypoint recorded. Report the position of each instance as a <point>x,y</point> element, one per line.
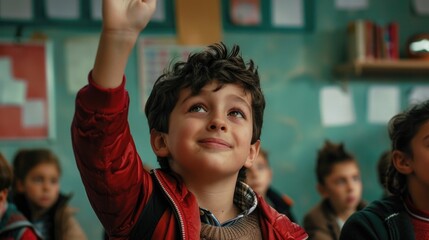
<point>336,106</point>
<point>383,103</point>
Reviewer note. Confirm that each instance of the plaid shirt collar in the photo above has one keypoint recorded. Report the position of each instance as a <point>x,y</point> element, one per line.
<point>244,198</point>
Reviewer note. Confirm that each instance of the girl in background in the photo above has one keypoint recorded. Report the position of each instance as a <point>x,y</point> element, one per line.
<point>37,195</point>
<point>405,214</point>
<point>13,225</point>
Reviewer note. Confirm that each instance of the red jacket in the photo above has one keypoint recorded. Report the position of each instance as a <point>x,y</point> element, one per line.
<point>117,185</point>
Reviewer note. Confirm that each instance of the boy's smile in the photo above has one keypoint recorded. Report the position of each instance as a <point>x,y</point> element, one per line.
<point>210,133</point>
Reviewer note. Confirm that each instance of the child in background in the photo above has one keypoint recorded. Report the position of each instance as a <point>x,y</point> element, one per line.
<point>205,118</point>
<point>259,178</point>
<point>13,225</point>
<point>382,167</point>
<point>405,214</point>
<point>37,195</point>
<point>340,186</point>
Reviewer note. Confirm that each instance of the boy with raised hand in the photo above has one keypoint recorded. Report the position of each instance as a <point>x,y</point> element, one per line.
<point>205,118</point>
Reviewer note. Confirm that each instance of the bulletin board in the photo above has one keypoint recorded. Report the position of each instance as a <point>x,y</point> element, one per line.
<point>26,86</point>
<point>74,14</point>
<point>268,15</point>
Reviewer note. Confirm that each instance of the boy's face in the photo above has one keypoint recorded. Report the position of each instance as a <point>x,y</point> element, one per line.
<point>209,134</point>
<point>41,185</point>
<point>259,175</point>
<point>343,186</point>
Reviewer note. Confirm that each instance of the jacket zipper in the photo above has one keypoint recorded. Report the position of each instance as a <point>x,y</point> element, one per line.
<point>182,226</point>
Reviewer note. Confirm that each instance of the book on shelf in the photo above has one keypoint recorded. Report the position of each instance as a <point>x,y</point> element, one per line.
<point>367,41</point>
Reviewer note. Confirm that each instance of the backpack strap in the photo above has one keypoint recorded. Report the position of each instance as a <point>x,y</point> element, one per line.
<point>151,214</point>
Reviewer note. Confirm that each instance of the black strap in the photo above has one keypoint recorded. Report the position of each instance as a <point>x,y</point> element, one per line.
<point>151,213</point>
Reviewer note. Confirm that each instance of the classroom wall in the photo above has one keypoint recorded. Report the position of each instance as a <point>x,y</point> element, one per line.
<point>294,67</point>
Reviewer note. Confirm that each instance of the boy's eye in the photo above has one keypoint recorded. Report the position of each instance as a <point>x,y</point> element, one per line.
<point>237,113</point>
<point>340,181</point>
<point>356,178</point>
<point>37,179</point>
<point>197,108</point>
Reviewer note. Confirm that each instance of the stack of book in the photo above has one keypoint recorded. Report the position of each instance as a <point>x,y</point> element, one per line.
<point>368,41</point>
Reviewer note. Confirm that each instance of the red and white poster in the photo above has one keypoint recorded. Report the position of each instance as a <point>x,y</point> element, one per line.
<point>25,91</point>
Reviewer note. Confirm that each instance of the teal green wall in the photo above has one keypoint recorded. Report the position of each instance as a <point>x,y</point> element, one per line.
<point>294,67</point>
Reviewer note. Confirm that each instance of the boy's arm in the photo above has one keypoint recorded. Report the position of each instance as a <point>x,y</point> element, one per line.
<point>110,167</point>
<point>123,20</point>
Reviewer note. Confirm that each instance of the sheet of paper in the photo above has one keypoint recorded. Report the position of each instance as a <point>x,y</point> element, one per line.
<point>418,95</point>
<point>16,9</point>
<point>96,9</point>
<point>159,14</point>
<point>351,4</point>
<point>12,92</point>
<point>154,55</point>
<point>336,107</point>
<point>383,103</point>
<point>421,7</point>
<point>287,13</point>
<point>62,9</point>
<point>245,12</point>
<point>33,114</point>
<point>5,69</point>
<point>79,58</point>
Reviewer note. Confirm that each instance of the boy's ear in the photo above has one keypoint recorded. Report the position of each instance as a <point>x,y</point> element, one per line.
<point>401,162</point>
<point>253,154</point>
<point>158,143</point>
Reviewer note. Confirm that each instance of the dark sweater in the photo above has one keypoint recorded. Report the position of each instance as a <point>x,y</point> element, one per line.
<point>383,219</point>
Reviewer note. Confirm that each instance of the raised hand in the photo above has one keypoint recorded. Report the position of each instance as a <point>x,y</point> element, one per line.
<point>127,15</point>
<point>122,22</point>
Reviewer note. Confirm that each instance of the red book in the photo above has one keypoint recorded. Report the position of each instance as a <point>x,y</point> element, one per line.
<point>393,29</point>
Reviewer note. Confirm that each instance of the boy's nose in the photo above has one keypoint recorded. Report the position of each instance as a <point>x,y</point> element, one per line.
<point>217,123</point>
<point>217,127</point>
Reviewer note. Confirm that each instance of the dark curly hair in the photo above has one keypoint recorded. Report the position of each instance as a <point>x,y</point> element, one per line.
<point>328,156</point>
<point>215,63</point>
<point>402,129</point>
<point>27,159</point>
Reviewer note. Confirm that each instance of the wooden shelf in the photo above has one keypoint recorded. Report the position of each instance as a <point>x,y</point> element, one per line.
<point>403,67</point>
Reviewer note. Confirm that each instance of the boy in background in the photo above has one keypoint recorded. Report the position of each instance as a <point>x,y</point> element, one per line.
<point>205,119</point>
<point>13,225</point>
<point>259,178</point>
<point>340,186</point>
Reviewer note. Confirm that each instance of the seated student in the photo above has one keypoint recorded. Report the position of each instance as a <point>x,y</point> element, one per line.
<point>340,186</point>
<point>382,167</point>
<point>405,214</point>
<point>259,178</point>
<point>13,225</point>
<point>205,118</point>
<point>37,195</point>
